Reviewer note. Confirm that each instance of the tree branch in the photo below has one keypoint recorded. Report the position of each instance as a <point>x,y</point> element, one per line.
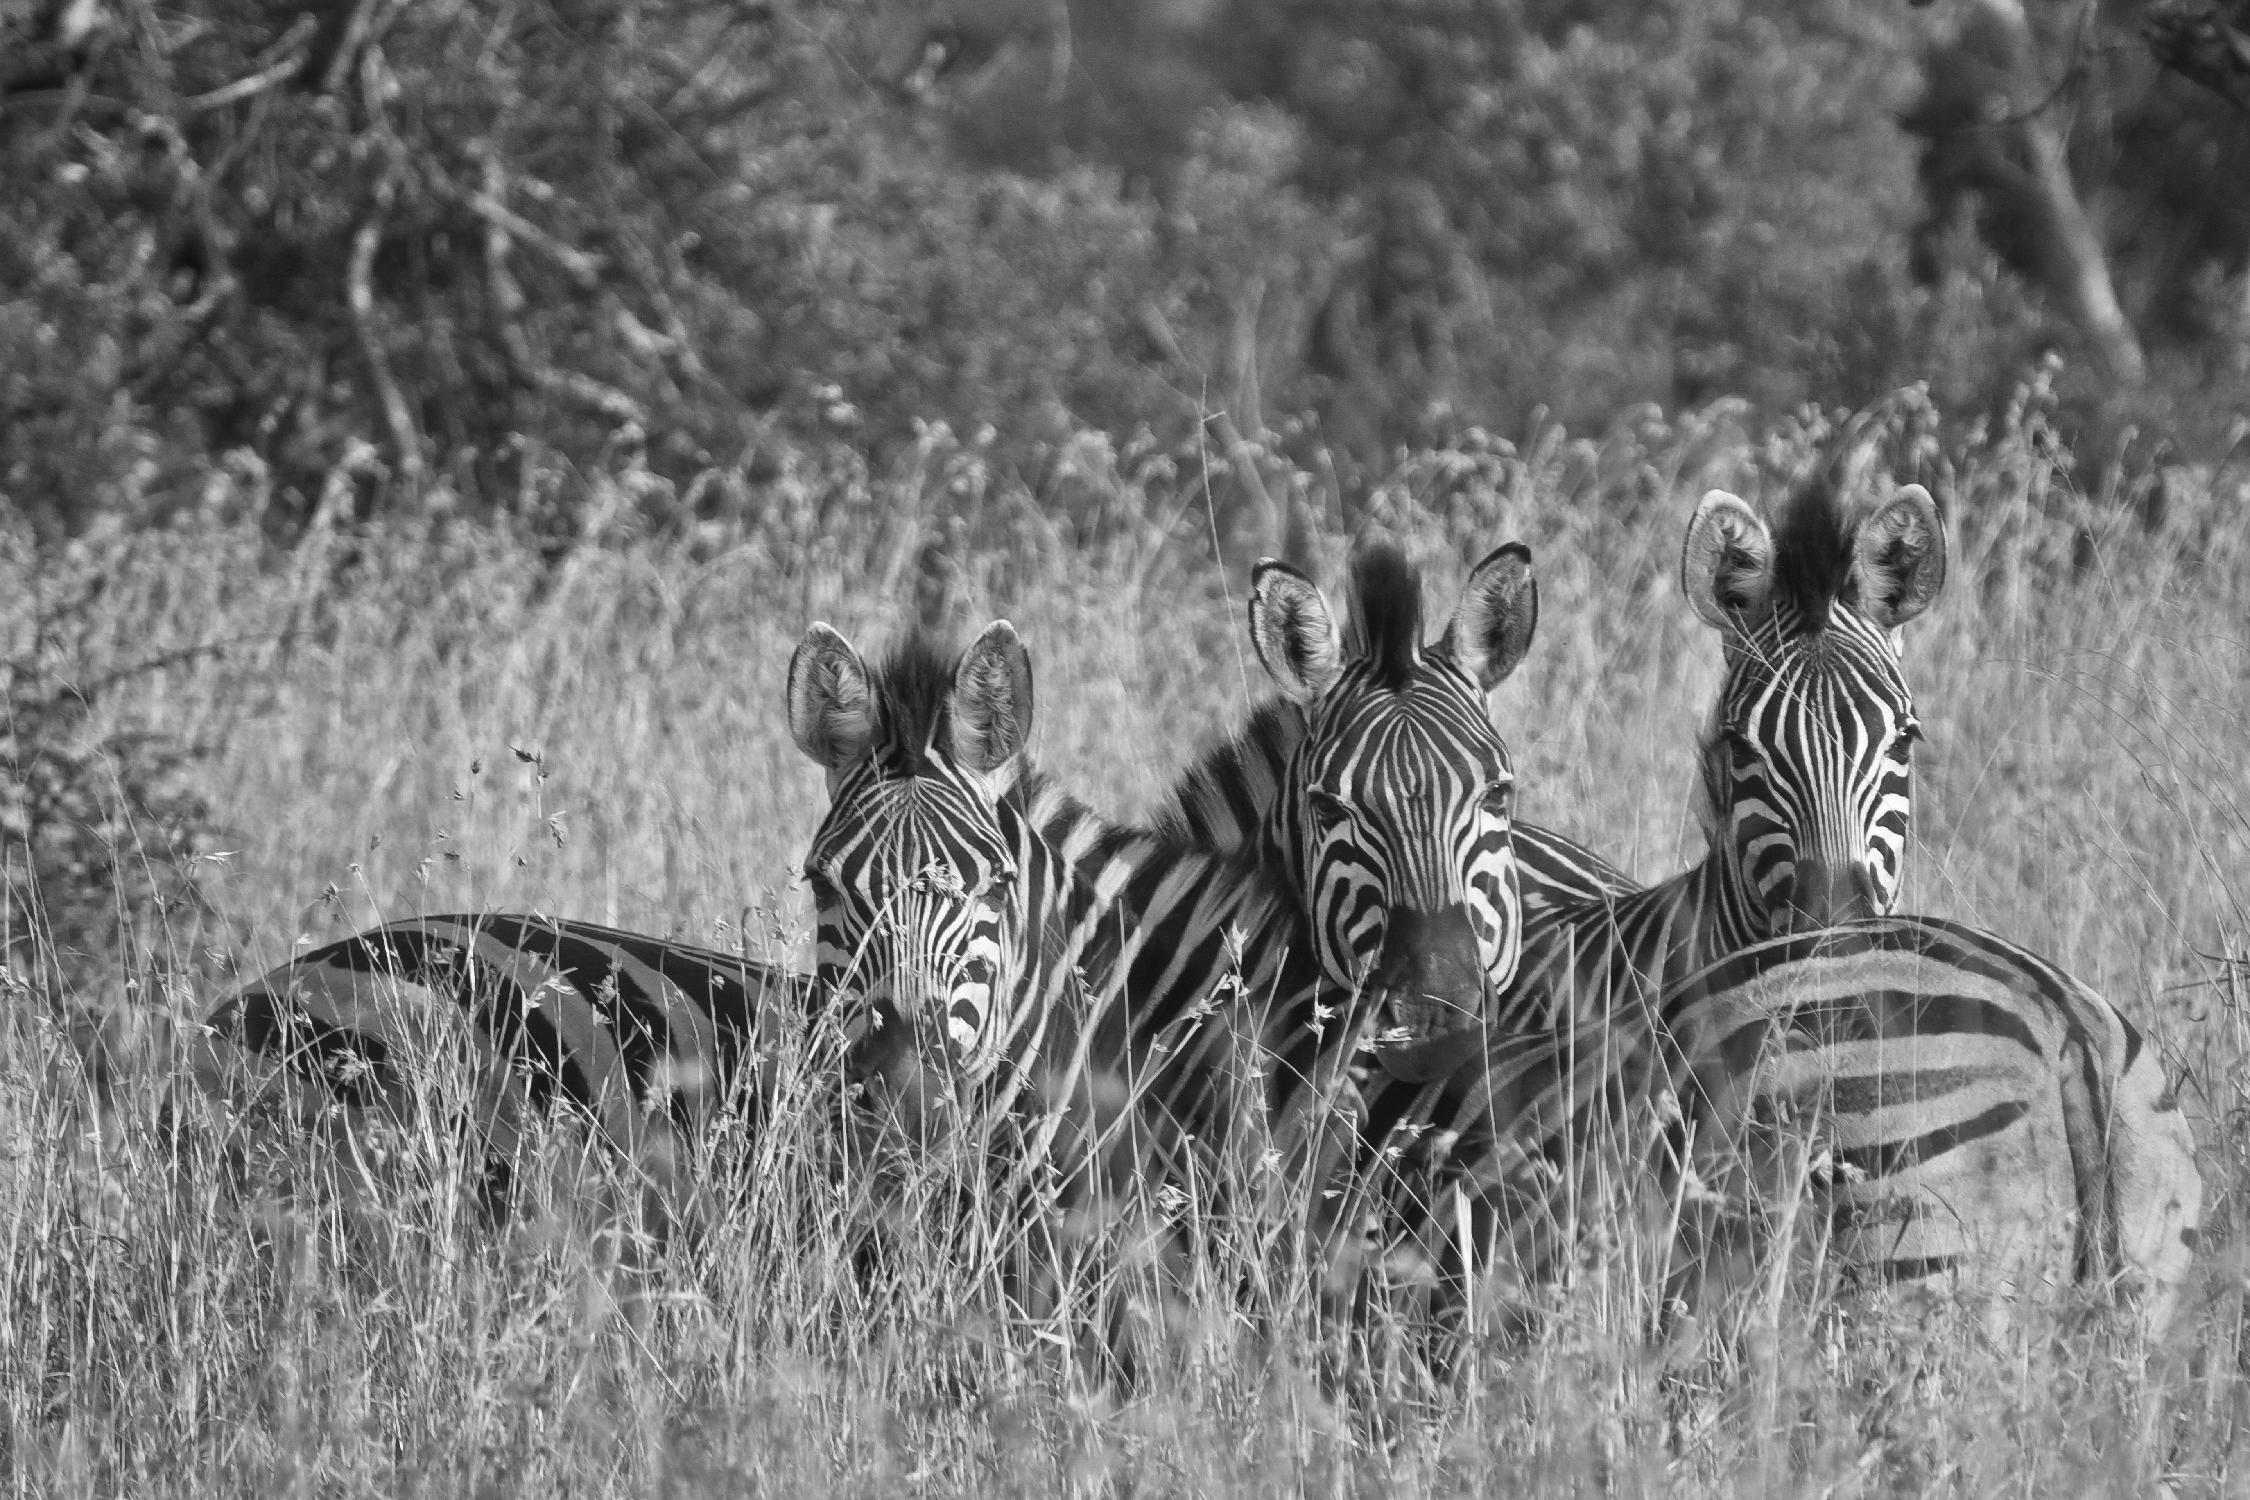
<point>359,296</point>
<point>2204,45</point>
<point>584,268</point>
<point>507,308</point>
<point>291,63</point>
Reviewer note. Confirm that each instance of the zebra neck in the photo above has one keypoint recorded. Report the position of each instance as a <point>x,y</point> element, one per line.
<point>1174,931</point>
<point>1161,920</point>
<point>1232,798</point>
<point>1728,914</point>
<point>1590,959</point>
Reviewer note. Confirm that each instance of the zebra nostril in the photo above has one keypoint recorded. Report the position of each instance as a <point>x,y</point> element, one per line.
<point>1869,889</point>
<point>1781,904</point>
<point>873,1042</point>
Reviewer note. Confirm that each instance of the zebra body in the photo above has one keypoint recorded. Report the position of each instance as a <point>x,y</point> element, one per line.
<point>645,1036</point>
<point>1956,1105</point>
<point>1495,1132</point>
<point>1952,1107</point>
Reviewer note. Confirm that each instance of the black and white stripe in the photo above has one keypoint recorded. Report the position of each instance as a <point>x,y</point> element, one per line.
<point>1807,772</point>
<point>1230,800</point>
<point>1134,955</point>
<point>1393,819</point>
<point>1953,1104</point>
<point>1003,964</point>
<point>647,1037</point>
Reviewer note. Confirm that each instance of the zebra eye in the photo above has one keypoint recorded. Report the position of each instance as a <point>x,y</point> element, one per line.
<point>1500,799</point>
<point>1908,734</point>
<point>1328,809</point>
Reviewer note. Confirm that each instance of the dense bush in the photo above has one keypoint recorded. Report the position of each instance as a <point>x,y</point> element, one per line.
<point>385,254</point>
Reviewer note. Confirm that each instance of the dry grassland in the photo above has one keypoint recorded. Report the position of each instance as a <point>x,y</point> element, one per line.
<point>402,724</point>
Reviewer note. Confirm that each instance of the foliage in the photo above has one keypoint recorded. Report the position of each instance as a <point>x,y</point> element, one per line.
<point>384,256</point>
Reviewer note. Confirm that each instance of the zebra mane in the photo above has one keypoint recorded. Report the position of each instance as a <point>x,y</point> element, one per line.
<point>912,689</point>
<point>1386,613</point>
<point>1709,789</point>
<point>1812,547</point>
<point>1219,802</point>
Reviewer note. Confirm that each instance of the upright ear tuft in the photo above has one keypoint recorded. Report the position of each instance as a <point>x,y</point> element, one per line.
<point>989,718</point>
<point>1898,558</point>
<point>1493,624</point>
<point>831,706</point>
<point>1293,633</point>
<point>1726,568</point>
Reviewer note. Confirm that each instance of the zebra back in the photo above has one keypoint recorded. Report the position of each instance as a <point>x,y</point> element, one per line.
<point>1952,1103</point>
<point>646,1037</point>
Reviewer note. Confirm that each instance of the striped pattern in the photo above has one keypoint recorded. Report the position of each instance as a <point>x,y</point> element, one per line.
<point>1230,800</point>
<point>1002,964</point>
<point>948,911</point>
<point>1952,1103</point>
<point>1393,824</point>
<point>1809,755</point>
<point>643,1035</point>
<point>1980,1053</point>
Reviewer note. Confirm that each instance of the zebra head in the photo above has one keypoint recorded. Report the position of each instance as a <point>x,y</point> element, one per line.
<point>1395,816</point>
<point>1806,760</point>
<point>921,919</point>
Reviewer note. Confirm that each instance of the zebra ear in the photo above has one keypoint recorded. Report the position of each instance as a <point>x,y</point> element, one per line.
<point>990,715</point>
<point>1293,633</point>
<point>1726,569</point>
<point>1499,610</point>
<point>1898,558</point>
<point>831,708</point>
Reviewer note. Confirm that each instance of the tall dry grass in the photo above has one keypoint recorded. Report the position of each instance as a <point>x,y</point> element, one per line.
<point>401,723</point>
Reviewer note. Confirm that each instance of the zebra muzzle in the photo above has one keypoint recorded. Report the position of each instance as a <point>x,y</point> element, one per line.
<point>1819,894</point>
<point>1429,986</point>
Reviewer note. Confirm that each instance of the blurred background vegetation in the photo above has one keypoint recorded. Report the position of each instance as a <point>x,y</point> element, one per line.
<point>928,289</point>
<point>420,258</point>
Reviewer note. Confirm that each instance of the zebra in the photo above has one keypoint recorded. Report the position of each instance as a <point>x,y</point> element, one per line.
<point>1960,1106</point>
<point>1230,797</point>
<point>646,1034</point>
<point>999,950</point>
<point>1036,1011</point>
<point>1806,771</point>
<point>645,1037</point>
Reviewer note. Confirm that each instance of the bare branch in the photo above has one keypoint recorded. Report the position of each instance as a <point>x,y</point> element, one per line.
<point>359,295</point>
<point>2203,45</point>
<point>347,50</point>
<point>583,267</point>
<point>507,308</point>
<point>675,342</point>
<point>291,63</point>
